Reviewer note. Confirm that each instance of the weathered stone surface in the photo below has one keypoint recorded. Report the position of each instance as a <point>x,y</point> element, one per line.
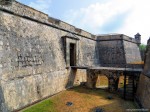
<point>109,51</point>
<point>143,93</point>
<point>132,53</point>
<point>118,50</point>
<point>32,61</point>
<point>147,61</point>
<point>35,61</point>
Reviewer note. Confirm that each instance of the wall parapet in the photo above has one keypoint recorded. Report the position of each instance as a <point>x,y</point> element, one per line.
<point>109,37</point>
<point>27,12</point>
<point>23,10</point>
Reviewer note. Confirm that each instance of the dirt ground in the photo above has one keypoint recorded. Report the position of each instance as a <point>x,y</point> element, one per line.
<point>87,100</point>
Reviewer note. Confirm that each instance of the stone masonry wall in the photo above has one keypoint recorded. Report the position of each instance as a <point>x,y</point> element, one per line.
<point>132,52</point>
<point>143,92</point>
<point>118,50</point>
<point>109,51</point>
<point>88,53</point>
<point>147,60</point>
<point>32,60</point>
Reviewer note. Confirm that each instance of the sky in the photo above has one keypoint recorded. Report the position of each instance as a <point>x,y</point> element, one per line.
<point>100,16</point>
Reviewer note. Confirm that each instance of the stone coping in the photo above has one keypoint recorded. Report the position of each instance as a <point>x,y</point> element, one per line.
<point>27,12</point>
<point>30,13</point>
<point>108,68</point>
<point>117,69</point>
<point>110,37</point>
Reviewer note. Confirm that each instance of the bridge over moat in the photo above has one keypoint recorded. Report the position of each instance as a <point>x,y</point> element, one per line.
<point>119,55</point>
<point>131,78</point>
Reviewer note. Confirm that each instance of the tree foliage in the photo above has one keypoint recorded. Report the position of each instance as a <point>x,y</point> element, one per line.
<point>143,47</point>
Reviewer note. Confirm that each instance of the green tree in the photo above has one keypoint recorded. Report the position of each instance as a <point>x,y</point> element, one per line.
<point>143,47</point>
<point>143,50</point>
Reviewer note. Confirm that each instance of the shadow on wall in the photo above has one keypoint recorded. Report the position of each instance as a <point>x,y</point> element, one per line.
<point>63,48</point>
<point>71,78</point>
<point>97,61</point>
<point>3,106</point>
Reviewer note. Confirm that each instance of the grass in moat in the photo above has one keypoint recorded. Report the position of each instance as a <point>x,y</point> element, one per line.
<point>84,100</point>
<point>44,106</point>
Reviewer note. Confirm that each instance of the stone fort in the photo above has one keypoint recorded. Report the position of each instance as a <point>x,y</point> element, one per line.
<point>41,56</point>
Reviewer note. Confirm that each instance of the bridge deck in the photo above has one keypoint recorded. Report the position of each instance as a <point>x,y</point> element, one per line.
<point>129,74</point>
<point>117,69</point>
<point>110,68</point>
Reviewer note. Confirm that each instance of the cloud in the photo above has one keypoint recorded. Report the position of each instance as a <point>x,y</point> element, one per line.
<point>139,20</point>
<point>113,16</point>
<point>41,5</point>
<point>96,15</point>
<point>115,22</point>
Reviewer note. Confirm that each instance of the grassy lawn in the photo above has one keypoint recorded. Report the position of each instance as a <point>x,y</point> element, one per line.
<point>44,106</point>
<point>84,100</point>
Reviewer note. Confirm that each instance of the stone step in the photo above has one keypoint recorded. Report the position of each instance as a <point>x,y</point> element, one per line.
<point>129,86</point>
<point>129,98</point>
<point>129,92</point>
<point>130,81</point>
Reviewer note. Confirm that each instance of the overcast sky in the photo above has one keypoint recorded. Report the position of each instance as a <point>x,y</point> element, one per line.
<point>100,16</point>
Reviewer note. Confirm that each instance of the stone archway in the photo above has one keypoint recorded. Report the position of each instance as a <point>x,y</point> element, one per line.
<point>113,78</point>
<point>102,82</point>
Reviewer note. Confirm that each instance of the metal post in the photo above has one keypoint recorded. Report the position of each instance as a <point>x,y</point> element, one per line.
<point>133,85</point>
<point>124,85</point>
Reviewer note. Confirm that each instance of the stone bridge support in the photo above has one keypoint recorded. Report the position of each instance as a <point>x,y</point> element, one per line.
<point>113,78</point>
<point>91,79</point>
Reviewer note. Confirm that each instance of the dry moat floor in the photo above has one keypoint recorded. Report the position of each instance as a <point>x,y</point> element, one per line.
<point>83,100</point>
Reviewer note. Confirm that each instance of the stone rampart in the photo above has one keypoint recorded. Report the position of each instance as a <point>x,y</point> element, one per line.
<point>118,50</point>
<point>32,58</point>
<point>143,93</point>
<point>37,52</point>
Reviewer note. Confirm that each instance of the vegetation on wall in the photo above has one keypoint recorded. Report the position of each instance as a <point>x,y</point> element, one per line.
<point>143,50</point>
<point>143,47</point>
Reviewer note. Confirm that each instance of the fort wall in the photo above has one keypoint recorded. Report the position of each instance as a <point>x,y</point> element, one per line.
<point>32,58</point>
<point>143,93</point>
<point>36,53</point>
<point>118,50</point>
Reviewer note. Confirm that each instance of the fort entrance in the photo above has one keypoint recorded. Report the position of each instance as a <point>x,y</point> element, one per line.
<point>72,54</point>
